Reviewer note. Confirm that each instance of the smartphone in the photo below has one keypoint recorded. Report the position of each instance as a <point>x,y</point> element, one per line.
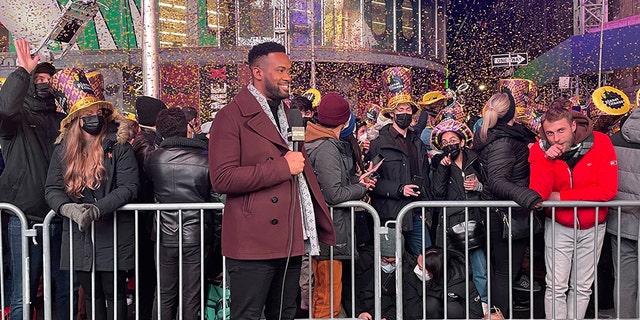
<point>377,159</point>
<point>419,181</point>
<point>471,176</point>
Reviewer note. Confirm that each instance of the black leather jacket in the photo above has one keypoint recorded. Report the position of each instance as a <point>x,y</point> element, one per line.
<point>179,171</point>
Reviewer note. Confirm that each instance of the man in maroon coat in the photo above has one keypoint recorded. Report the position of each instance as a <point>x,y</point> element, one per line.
<point>274,211</point>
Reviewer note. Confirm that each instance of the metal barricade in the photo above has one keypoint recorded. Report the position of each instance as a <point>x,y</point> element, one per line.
<point>488,207</point>
<point>137,210</point>
<point>352,205</point>
<point>26,233</point>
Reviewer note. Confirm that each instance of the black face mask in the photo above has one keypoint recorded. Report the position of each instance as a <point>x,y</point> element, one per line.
<point>403,120</point>
<point>92,124</point>
<point>43,91</point>
<point>452,149</point>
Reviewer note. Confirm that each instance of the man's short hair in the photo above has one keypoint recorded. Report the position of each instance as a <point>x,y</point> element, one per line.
<point>171,123</point>
<point>263,49</point>
<point>557,112</point>
<point>190,113</point>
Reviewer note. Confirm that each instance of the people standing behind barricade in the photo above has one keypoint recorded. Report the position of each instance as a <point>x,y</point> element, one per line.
<point>572,162</point>
<point>179,171</point>
<point>404,174</point>
<point>626,224</point>
<point>146,141</point>
<point>29,125</point>
<point>93,172</point>
<point>430,271</point>
<point>365,283</point>
<point>274,210</point>
<point>503,149</point>
<point>332,161</point>
<point>458,176</point>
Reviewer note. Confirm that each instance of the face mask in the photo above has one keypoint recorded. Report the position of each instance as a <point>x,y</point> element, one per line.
<point>423,276</point>
<point>306,120</point>
<point>388,268</point>
<point>92,124</point>
<point>43,90</point>
<point>363,138</point>
<point>452,149</point>
<point>403,120</point>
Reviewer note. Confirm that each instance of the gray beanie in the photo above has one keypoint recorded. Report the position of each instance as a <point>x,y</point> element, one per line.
<point>388,243</point>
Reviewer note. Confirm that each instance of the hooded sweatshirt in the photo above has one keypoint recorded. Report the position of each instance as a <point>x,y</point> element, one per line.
<point>627,145</point>
<point>588,172</point>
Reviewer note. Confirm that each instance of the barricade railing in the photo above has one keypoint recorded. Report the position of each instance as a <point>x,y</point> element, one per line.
<point>487,207</point>
<point>377,231</point>
<point>506,206</point>
<point>26,232</point>
<point>137,209</point>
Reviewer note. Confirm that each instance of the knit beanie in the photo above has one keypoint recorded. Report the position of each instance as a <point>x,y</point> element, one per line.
<point>333,110</point>
<point>388,243</point>
<point>147,109</point>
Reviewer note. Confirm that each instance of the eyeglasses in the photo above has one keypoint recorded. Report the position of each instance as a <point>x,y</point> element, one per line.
<point>452,141</point>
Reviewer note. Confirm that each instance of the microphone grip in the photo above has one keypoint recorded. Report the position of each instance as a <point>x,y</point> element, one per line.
<point>296,146</point>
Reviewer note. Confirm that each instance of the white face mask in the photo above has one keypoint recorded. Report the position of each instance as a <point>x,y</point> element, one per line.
<point>423,276</point>
<point>363,137</point>
<point>388,268</point>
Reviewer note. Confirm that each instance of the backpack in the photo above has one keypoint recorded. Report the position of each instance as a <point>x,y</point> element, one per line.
<point>214,308</point>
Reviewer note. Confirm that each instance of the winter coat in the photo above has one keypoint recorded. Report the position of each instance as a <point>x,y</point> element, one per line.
<point>332,162</point>
<point>29,126</point>
<point>456,293</point>
<point>179,171</point>
<point>394,172</point>
<point>247,164</point>
<point>626,142</point>
<point>503,156</point>
<point>365,290</point>
<point>594,177</point>
<point>448,184</point>
<point>119,186</point>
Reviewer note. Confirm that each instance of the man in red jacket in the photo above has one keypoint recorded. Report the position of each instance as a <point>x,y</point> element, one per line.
<point>572,162</point>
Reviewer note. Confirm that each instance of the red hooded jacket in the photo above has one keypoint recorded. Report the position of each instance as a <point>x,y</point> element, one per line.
<point>594,177</point>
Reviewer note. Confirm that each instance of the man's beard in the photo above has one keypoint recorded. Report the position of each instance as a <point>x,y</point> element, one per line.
<point>274,91</point>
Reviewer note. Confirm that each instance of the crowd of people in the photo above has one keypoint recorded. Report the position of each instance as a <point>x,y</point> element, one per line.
<point>66,148</point>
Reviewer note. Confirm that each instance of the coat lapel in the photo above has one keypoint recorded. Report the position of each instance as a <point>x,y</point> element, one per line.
<point>259,122</point>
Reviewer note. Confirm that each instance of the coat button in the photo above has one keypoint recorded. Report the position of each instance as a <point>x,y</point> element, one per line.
<point>274,199</point>
<point>274,222</point>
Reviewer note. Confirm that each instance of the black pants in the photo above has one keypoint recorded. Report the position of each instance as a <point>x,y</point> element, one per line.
<point>169,282</point>
<point>258,284</point>
<point>500,288</point>
<point>103,294</point>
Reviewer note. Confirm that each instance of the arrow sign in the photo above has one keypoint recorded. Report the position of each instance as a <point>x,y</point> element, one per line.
<point>509,59</point>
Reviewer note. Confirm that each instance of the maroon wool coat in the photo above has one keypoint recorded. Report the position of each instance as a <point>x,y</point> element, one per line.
<point>246,162</point>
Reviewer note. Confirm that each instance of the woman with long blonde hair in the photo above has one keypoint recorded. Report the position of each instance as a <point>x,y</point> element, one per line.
<point>93,172</point>
<point>503,148</point>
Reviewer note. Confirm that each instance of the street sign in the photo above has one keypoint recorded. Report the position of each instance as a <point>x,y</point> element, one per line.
<point>509,60</point>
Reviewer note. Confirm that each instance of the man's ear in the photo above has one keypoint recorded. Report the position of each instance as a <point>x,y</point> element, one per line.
<point>573,126</point>
<point>257,73</point>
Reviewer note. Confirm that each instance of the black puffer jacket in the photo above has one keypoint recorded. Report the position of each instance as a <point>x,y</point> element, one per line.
<point>394,172</point>
<point>505,160</point>
<point>448,184</point>
<point>456,293</point>
<point>179,171</point>
<point>28,128</point>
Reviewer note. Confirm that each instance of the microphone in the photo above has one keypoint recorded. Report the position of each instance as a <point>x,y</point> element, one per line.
<point>296,124</point>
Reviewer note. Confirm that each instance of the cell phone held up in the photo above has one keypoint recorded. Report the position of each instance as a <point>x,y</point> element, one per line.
<point>418,181</point>
<point>375,161</point>
<point>470,177</point>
